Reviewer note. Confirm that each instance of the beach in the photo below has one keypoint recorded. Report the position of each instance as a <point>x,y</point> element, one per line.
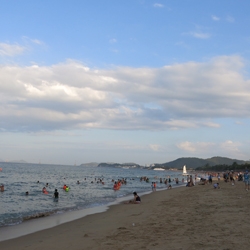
<point>198,217</point>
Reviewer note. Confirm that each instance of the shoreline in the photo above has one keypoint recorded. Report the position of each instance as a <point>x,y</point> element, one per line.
<point>198,217</point>
<point>34,225</point>
<point>90,193</point>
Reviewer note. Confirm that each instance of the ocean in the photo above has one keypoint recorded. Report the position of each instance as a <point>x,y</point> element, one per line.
<point>18,178</point>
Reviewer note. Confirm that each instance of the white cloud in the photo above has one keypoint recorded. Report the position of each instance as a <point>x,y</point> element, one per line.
<point>154,147</point>
<point>201,148</point>
<point>71,95</point>
<point>38,42</point>
<point>200,35</point>
<point>11,49</point>
<point>195,147</point>
<point>215,18</point>
<point>234,149</point>
<point>186,146</point>
<point>158,5</point>
<point>230,146</point>
<point>176,124</point>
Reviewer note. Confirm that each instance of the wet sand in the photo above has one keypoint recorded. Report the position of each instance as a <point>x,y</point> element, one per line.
<point>182,218</point>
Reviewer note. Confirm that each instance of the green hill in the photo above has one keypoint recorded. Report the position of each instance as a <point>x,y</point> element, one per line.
<point>193,162</point>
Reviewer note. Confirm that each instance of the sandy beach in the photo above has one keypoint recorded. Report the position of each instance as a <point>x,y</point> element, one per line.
<point>198,217</point>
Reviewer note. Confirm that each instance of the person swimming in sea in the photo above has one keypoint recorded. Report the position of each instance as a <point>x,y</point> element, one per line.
<point>56,195</point>
<point>115,187</point>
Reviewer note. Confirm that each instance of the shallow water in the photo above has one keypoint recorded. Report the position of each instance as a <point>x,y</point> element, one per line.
<point>15,206</point>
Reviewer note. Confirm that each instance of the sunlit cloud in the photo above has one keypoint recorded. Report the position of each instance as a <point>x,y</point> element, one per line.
<point>195,147</point>
<point>230,146</point>
<point>71,95</point>
<point>11,49</point>
<point>154,147</point>
<point>158,5</point>
<point>201,148</point>
<point>200,35</point>
<point>215,18</point>
<point>233,148</point>
<point>36,41</point>
<point>187,146</point>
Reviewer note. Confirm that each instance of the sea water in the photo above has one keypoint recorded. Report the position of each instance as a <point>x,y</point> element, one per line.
<point>17,207</point>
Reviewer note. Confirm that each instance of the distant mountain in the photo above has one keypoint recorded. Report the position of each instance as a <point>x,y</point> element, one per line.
<point>193,162</point>
<point>118,165</point>
<point>190,162</point>
<point>91,164</point>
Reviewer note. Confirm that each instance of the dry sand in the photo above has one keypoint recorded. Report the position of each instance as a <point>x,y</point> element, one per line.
<point>183,218</point>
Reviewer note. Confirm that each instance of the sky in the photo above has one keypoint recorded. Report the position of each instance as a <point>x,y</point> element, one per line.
<point>124,81</point>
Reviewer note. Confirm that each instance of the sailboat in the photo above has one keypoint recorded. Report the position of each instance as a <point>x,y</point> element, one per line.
<point>184,172</point>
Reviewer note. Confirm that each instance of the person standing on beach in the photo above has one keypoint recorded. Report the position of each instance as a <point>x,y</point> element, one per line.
<point>210,178</point>
<point>246,180</point>
<point>231,175</point>
<point>218,176</point>
<point>191,181</point>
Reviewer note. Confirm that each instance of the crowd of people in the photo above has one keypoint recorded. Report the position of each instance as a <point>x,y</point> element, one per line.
<point>229,176</point>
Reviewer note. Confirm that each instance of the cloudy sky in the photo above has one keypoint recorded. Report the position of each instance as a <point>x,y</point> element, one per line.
<point>124,81</point>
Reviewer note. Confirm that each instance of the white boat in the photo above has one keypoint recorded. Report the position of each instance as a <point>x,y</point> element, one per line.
<point>125,167</point>
<point>184,172</point>
<point>159,169</point>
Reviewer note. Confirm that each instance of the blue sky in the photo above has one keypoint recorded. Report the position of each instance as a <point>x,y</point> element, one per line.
<point>124,81</point>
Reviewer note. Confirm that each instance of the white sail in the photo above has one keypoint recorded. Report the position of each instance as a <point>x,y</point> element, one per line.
<point>184,170</point>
